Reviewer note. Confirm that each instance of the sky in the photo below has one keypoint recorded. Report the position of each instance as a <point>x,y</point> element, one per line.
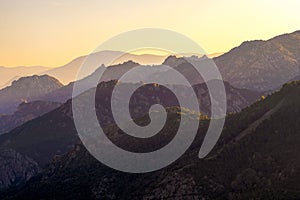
<point>53,32</point>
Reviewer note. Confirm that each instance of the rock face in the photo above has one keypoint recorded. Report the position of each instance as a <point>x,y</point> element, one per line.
<point>15,168</point>
<point>25,112</point>
<point>262,65</point>
<point>26,89</point>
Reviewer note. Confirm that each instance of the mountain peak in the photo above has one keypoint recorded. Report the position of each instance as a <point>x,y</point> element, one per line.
<point>262,65</point>
<point>174,61</point>
<point>26,89</point>
<point>43,79</point>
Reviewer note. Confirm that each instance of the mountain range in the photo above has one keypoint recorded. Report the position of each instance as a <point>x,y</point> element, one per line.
<point>54,133</point>
<point>278,63</point>
<point>68,73</point>
<point>256,65</point>
<point>42,157</point>
<point>256,158</point>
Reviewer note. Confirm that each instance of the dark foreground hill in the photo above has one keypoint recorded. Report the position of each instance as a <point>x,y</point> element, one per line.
<point>257,157</point>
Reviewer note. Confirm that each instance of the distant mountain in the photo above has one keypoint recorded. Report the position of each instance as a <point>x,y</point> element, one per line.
<point>68,72</point>
<point>115,72</point>
<point>262,65</point>
<point>255,65</point>
<point>26,89</point>
<point>25,112</point>
<point>257,157</point>
<point>109,73</point>
<point>9,74</point>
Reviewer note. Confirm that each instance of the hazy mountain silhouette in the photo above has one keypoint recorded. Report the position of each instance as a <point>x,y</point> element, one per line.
<point>9,74</point>
<point>26,89</point>
<point>256,65</point>
<point>68,72</point>
<point>109,73</point>
<point>115,72</point>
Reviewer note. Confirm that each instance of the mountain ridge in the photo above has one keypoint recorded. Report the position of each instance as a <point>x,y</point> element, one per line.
<point>262,65</point>
<point>26,89</point>
<point>261,165</point>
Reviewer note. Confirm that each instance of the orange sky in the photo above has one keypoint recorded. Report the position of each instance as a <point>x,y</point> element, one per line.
<point>53,32</point>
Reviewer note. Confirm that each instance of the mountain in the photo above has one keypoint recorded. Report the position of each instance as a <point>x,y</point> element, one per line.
<point>9,74</point>
<point>54,132</point>
<point>26,89</point>
<point>262,65</point>
<point>255,65</point>
<point>115,72</point>
<point>68,72</point>
<point>255,158</point>
<point>112,72</point>
<point>25,112</point>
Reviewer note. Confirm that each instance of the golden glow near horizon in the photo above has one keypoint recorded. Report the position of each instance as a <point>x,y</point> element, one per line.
<point>53,32</point>
<point>151,51</point>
